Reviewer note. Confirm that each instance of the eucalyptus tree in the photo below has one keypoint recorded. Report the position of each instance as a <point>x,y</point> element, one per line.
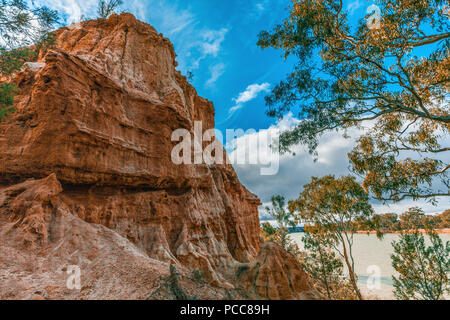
<point>285,220</point>
<point>335,207</point>
<point>423,266</point>
<point>389,73</point>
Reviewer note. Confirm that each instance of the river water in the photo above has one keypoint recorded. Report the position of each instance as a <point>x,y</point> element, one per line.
<point>372,256</point>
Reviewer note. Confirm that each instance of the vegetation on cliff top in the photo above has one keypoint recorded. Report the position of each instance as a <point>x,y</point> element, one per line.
<point>107,7</point>
<point>24,32</point>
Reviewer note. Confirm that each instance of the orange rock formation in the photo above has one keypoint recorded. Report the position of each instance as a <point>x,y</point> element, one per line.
<point>86,179</point>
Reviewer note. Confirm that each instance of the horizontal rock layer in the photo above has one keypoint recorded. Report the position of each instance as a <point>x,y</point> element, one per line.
<point>87,178</point>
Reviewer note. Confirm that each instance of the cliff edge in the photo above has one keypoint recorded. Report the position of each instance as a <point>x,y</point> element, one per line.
<point>87,182</point>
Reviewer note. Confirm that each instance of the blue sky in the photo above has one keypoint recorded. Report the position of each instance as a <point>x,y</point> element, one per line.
<point>216,41</point>
<point>230,62</point>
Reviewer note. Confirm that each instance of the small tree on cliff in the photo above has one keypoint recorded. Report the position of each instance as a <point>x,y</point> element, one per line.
<point>7,92</point>
<point>317,259</point>
<point>108,7</point>
<point>334,207</point>
<point>323,265</point>
<point>373,74</point>
<point>284,219</point>
<point>423,269</point>
<point>20,27</point>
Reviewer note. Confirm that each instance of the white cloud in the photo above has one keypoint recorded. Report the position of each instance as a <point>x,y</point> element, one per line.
<point>296,171</point>
<point>139,8</point>
<point>235,108</point>
<point>249,94</point>
<point>193,41</point>
<point>74,10</point>
<point>252,92</point>
<point>175,21</point>
<point>262,9</point>
<point>216,72</point>
<point>210,44</point>
<point>261,6</point>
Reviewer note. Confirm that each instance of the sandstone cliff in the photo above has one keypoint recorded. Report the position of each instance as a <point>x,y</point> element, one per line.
<point>86,180</point>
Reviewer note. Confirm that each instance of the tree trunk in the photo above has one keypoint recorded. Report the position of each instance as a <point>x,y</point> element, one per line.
<point>324,274</point>
<point>352,274</point>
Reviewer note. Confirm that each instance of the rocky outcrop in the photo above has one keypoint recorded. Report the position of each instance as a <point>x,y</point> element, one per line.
<point>275,274</point>
<point>87,177</point>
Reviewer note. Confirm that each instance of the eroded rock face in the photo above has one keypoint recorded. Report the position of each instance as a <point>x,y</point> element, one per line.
<point>94,123</point>
<point>275,275</point>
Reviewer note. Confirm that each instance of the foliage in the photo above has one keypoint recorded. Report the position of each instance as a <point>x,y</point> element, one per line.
<point>391,222</point>
<point>412,219</point>
<point>7,92</point>
<point>108,7</point>
<point>346,77</point>
<point>334,206</point>
<point>23,26</point>
<point>423,269</point>
<point>323,265</point>
<point>283,217</point>
<point>12,60</point>
<point>445,219</point>
<point>388,222</point>
<point>267,230</point>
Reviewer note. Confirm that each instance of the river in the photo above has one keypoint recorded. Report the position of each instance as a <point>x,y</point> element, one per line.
<point>372,256</point>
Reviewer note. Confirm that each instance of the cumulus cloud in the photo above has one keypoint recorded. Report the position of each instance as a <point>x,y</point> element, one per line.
<point>296,171</point>
<point>249,94</point>
<point>252,92</point>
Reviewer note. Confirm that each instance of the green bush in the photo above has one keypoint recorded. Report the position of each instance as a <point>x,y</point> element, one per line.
<point>7,93</point>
